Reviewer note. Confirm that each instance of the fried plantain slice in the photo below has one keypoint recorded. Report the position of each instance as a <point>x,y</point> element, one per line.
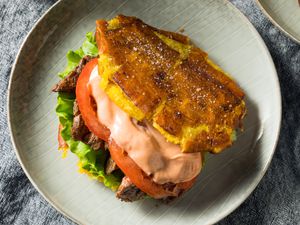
<point>170,82</point>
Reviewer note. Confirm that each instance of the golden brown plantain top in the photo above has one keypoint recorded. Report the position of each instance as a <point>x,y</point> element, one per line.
<point>170,83</point>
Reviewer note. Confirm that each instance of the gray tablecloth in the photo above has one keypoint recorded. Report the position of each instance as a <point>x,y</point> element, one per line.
<point>276,200</point>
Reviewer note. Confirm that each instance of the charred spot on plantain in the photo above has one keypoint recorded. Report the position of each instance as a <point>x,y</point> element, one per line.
<point>201,104</point>
<point>178,115</point>
<point>159,78</point>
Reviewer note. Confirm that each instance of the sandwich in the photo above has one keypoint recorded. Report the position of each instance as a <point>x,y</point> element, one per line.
<point>141,107</point>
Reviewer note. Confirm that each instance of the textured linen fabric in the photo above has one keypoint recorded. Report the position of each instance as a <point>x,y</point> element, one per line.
<point>276,200</point>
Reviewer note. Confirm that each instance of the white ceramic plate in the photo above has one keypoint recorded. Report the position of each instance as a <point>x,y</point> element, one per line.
<point>285,14</point>
<point>227,179</point>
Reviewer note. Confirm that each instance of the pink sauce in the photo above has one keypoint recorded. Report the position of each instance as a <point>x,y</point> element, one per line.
<point>144,144</point>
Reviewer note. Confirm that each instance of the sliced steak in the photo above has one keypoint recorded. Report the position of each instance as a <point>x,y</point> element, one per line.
<point>76,110</point>
<point>171,187</point>
<point>68,84</point>
<point>128,192</point>
<point>80,132</point>
<point>92,140</point>
<point>111,166</point>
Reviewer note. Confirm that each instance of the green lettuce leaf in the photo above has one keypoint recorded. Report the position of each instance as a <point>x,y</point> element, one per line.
<point>89,47</point>
<point>91,161</point>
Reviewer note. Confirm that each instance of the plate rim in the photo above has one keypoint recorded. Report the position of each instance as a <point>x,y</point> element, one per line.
<point>276,24</point>
<point>224,213</point>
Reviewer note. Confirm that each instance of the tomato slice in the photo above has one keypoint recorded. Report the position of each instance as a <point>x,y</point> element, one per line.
<point>124,162</point>
<point>85,104</point>
<point>140,179</point>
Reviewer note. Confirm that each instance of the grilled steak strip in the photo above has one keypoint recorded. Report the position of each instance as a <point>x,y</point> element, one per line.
<point>92,140</point>
<point>68,84</point>
<point>80,132</point>
<point>111,166</point>
<point>128,192</point>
